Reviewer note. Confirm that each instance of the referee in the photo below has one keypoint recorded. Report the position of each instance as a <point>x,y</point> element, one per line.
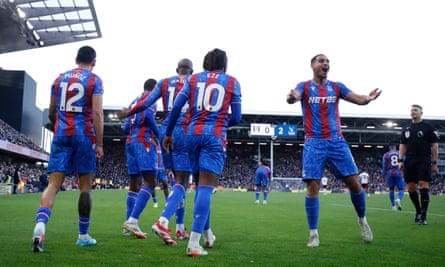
<point>418,160</point>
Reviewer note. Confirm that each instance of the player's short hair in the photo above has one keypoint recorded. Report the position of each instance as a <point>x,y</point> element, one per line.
<point>417,106</point>
<point>215,60</point>
<point>392,146</point>
<point>314,58</point>
<point>149,84</point>
<point>86,54</point>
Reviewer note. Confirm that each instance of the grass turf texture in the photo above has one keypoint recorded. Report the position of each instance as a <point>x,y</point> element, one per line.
<point>247,234</point>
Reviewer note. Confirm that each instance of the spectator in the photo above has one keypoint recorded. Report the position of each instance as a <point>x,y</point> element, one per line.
<point>16,180</point>
<point>43,181</point>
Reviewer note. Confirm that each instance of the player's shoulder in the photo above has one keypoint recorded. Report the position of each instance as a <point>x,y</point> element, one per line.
<point>335,83</point>
<point>173,78</point>
<point>339,85</point>
<point>302,83</point>
<point>230,76</point>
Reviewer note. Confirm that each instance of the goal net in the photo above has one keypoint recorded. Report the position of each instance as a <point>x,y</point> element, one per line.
<point>287,184</point>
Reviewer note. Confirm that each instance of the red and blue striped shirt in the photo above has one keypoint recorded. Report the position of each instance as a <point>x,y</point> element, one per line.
<point>73,91</point>
<point>319,104</point>
<point>141,126</point>
<point>390,165</point>
<point>210,95</point>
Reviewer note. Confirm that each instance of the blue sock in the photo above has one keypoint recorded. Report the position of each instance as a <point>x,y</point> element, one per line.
<point>257,194</point>
<point>265,194</point>
<point>141,201</point>
<point>131,199</point>
<point>43,214</point>
<point>391,197</point>
<point>180,212</point>
<point>401,194</point>
<point>202,208</point>
<point>196,193</point>
<point>207,224</point>
<point>155,200</point>
<point>84,224</point>
<point>359,202</point>
<point>175,197</point>
<point>312,205</point>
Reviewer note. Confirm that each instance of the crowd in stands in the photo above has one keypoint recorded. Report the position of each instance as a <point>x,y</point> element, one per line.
<point>29,176</point>
<point>8,133</point>
<point>239,170</point>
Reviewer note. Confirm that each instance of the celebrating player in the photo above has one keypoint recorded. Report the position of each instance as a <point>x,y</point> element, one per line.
<point>324,142</point>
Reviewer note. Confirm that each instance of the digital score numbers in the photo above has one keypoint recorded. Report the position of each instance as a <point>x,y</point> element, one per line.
<point>261,129</point>
<point>286,130</point>
<point>280,130</point>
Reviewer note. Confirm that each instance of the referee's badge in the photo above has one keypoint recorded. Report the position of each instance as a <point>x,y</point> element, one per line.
<point>406,134</point>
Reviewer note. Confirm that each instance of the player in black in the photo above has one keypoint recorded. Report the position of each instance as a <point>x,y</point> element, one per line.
<point>418,160</point>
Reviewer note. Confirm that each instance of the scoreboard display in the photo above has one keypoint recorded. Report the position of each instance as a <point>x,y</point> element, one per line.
<point>280,130</point>
<point>286,130</point>
<point>262,129</point>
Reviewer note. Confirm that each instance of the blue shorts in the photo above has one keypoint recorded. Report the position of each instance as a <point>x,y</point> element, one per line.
<point>396,181</point>
<point>336,153</point>
<point>178,158</point>
<point>141,157</point>
<point>72,154</point>
<point>160,175</point>
<point>207,153</point>
<point>260,180</point>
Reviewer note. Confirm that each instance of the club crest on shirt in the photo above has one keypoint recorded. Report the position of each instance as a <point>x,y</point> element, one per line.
<point>420,134</point>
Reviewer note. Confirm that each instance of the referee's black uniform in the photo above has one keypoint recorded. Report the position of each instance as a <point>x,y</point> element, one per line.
<point>418,139</point>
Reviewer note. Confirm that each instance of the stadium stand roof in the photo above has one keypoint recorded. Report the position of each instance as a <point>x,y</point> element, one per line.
<point>30,24</point>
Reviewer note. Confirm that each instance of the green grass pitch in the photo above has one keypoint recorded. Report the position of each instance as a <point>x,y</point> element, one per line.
<point>247,234</point>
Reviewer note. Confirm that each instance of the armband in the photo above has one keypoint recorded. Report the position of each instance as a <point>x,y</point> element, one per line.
<point>434,162</point>
<point>400,160</point>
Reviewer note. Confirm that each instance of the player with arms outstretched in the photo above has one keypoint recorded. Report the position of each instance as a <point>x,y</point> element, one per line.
<point>324,142</point>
